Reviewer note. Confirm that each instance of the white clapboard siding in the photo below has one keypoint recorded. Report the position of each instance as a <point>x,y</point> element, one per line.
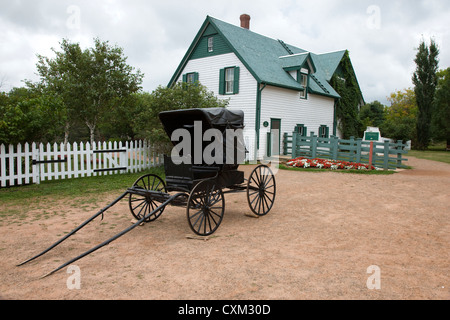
<point>285,104</point>
<point>45,162</point>
<point>209,76</point>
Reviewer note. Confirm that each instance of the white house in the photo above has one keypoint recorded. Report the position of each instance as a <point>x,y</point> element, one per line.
<point>277,85</point>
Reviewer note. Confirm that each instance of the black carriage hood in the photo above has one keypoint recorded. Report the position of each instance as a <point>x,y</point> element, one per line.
<point>217,118</point>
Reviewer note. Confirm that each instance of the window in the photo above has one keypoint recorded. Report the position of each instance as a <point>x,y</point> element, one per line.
<point>303,94</point>
<point>301,130</point>
<point>210,44</point>
<point>229,81</point>
<point>324,132</point>
<point>191,77</point>
<point>303,80</point>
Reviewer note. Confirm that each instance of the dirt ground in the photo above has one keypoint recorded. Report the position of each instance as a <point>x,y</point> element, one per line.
<point>319,242</point>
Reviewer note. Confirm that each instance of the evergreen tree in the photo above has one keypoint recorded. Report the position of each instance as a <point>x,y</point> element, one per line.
<point>425,82</point>
<point>441,113</point>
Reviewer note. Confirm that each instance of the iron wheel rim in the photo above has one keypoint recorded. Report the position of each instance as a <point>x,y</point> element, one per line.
<point>206,208</point>
<point>141,206</point>
<point>261,190</point>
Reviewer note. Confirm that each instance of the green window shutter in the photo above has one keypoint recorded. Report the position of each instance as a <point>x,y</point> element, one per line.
<point>184,78</point>
<point>222,82</point>
<point>300,128</point>
<point>236,80</point>
<point>324,129</point>
<point>196,77</point>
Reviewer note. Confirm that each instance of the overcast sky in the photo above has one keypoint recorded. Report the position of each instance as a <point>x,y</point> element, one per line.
<point>382,36</point>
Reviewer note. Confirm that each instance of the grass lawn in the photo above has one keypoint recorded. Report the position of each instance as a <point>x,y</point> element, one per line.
<point>88,188</point>
<point>434,152</point>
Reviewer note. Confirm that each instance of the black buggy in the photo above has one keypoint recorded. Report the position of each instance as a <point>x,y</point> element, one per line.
<point>195,183</point>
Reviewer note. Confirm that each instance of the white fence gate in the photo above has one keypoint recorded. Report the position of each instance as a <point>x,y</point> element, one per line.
<point>27,164</point>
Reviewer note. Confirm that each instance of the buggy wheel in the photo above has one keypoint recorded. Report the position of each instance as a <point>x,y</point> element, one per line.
<point>142,205</point>
<point>261,190</point>
<point>205,209</point>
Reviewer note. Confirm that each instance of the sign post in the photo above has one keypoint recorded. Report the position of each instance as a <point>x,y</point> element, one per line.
<point>371,155</point>
<point>371,136</point>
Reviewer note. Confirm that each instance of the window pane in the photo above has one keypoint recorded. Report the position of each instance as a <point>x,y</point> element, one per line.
<point>229,80</point>
<point>303,94</point>
<point>304,80</point>
<point>190,78</point>
<point>210,44</point>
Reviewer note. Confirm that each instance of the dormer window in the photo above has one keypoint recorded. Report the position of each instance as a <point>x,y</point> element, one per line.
<point>303,80</point>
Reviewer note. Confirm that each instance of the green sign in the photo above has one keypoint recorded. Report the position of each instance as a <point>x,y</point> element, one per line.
<point>372,136</point>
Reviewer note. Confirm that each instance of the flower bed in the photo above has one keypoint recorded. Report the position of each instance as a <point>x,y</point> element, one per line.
<point>327,164</point>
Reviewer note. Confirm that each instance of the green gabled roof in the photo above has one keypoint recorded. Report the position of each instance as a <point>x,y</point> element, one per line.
<point>297,61</point>
<point>268,59</point>
<point>328,63</point>
<point>259,54</point>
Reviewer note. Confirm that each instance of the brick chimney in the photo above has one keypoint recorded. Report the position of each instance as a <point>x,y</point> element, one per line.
<point>245,21</point>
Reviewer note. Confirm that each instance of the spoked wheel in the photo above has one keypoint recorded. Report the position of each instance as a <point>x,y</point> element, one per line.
<point>140,205</point>
<point>261,190</point>
<point>205,209</point>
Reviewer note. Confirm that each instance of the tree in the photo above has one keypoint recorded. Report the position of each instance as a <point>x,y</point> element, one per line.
<point>372,114</point>
<point>180,96</point>
<point>401,116</point>
<point>347,109</point>
<point>29,117</point>
<point>441,114</point>
<point>120,122</point>
<point>425,82</point>
<point>91,83</point>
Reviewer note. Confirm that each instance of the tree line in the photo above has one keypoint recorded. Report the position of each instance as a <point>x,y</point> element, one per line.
<point>94,94</point>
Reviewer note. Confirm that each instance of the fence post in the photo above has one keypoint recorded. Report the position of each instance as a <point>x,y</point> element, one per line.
<point>358,150</point>
<point>334,141</point>
<point>35,169</point>
<point>294,145</point>
<point>313,146</point>
<point>386,155</point>
<point>2,165</point>
<point>352,153</point>
<point>27,163</point>
<point>285,143</point>
<point>399,154</point>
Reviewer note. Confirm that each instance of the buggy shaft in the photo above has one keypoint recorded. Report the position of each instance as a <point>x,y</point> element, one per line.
<point>107,242</point>
<point>84,224</point>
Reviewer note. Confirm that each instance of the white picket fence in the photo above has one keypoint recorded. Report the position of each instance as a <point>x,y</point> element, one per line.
<point>32,164</point>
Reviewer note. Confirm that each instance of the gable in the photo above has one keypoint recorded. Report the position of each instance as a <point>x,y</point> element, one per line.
<point>219,44</point>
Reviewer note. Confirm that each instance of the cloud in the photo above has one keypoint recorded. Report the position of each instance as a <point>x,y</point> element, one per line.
<point>381,35</point>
